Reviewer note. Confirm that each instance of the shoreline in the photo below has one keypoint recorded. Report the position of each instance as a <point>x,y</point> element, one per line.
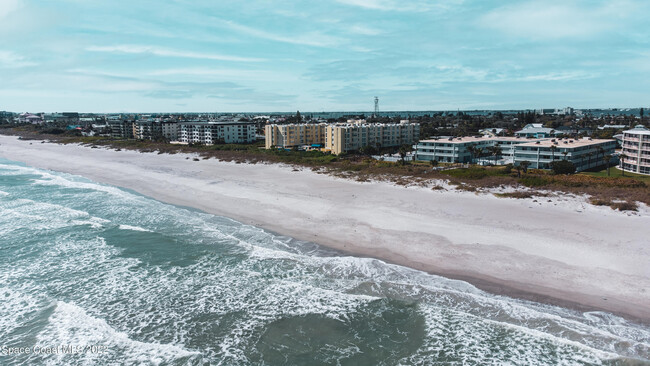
<point>560,253</point>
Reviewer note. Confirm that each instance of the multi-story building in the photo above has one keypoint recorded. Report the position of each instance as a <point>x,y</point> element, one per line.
<point>287,136</point>
<point>170,130</point>
<point>340,138</point>
<point>147,130</point>
<point>210,133</point>
<point>466,149</point>
<point>636,150</point>
<point>583,153</point>
<point>121,129</point>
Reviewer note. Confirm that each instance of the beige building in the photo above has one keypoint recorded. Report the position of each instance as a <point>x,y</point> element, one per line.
<point>340,138</point>
<point>288,136</point>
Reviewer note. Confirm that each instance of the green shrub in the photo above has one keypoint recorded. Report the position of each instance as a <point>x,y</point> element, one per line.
<point>563,167</point>
<point>534,181</point>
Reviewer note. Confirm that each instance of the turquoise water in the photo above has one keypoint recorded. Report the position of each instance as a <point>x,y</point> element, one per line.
<point>138,281</point>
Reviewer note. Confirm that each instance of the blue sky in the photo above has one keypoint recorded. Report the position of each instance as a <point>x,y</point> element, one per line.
<point>281,55</point>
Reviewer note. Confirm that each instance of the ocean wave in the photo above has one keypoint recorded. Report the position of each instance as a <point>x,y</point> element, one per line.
<point>133,228</point>
<point>70,324</point>
<point>209,288</point>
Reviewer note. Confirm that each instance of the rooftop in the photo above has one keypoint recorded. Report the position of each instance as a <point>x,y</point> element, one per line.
<point>639,129</point>
<point>464,139</point>
<point>567,142</point>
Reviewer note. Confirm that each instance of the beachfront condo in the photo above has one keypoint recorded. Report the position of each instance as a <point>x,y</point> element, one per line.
<point>636,150</point>
<point>342,137</point>
<point>147,130</point>
<point>210,133</point>
<point>468,149</point>
<point>295,134</point>
<point>583,153</point>
<point>170,130</point>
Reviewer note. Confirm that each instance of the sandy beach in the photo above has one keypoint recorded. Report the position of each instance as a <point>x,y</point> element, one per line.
<point>562,252</point>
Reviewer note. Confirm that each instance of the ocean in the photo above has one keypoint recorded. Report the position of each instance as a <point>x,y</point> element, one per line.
<point>95,274</point>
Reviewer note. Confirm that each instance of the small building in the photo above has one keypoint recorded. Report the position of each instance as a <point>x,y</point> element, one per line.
<point>30,118</point>
<point>536,130</point>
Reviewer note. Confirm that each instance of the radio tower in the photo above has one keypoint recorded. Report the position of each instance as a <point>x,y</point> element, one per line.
<point>376,114</point>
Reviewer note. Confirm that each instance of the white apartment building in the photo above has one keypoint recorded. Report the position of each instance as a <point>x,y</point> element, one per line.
<point>210,133</point>
<point>458,149</point>
<point>583,153</point>
<point>636,149</point>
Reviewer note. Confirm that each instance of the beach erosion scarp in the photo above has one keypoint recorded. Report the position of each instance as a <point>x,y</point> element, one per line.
<point>563,252</point>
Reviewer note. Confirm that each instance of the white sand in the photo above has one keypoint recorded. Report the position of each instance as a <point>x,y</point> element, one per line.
<point>560,252</point>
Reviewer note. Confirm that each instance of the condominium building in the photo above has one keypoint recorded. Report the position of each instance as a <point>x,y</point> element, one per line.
<point>147,130</point>
<point>210,133</point>
<point>466,149</point>
<point>170,131</point>
<point>636,150</point>
<point>287,136</point>
<point>340,138</point>
<point>121,129</point>
<point>583,153</point>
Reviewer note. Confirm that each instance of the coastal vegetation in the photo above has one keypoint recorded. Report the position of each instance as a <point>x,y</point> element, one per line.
<point>617,191</point>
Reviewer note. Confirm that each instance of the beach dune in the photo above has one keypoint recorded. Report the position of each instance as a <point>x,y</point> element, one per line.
<point>563,252</point>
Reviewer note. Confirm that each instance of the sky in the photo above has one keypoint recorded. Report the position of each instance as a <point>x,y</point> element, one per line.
<point>326,55</point>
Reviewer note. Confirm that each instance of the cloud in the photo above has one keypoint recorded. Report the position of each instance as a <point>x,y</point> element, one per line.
<point>164,52</point>
<point>9,59</point>
<point>555,20</point>
<point>397,5</point>
<point>306,39</point>
<point>364,30</point>
<point>8,6</point>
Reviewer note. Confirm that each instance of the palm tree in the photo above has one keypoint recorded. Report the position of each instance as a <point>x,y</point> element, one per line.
<point>606,159</point>
<point>471,150</point>
<point>589,155</point>
<point>479,152</point>
<point>403,150</point>
<point>524,165</point>
<point>495,151</point>
<point>553,148</point>
<point>622,157</point>
<point>565,153</point>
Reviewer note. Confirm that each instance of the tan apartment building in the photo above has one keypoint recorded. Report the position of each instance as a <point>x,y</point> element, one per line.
<point>291,135</point>
<point>340,138</point>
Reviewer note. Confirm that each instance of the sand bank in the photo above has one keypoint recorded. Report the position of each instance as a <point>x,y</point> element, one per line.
<point>562,252</point>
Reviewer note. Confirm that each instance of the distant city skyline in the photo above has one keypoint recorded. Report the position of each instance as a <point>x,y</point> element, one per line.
<point>333,55</point>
